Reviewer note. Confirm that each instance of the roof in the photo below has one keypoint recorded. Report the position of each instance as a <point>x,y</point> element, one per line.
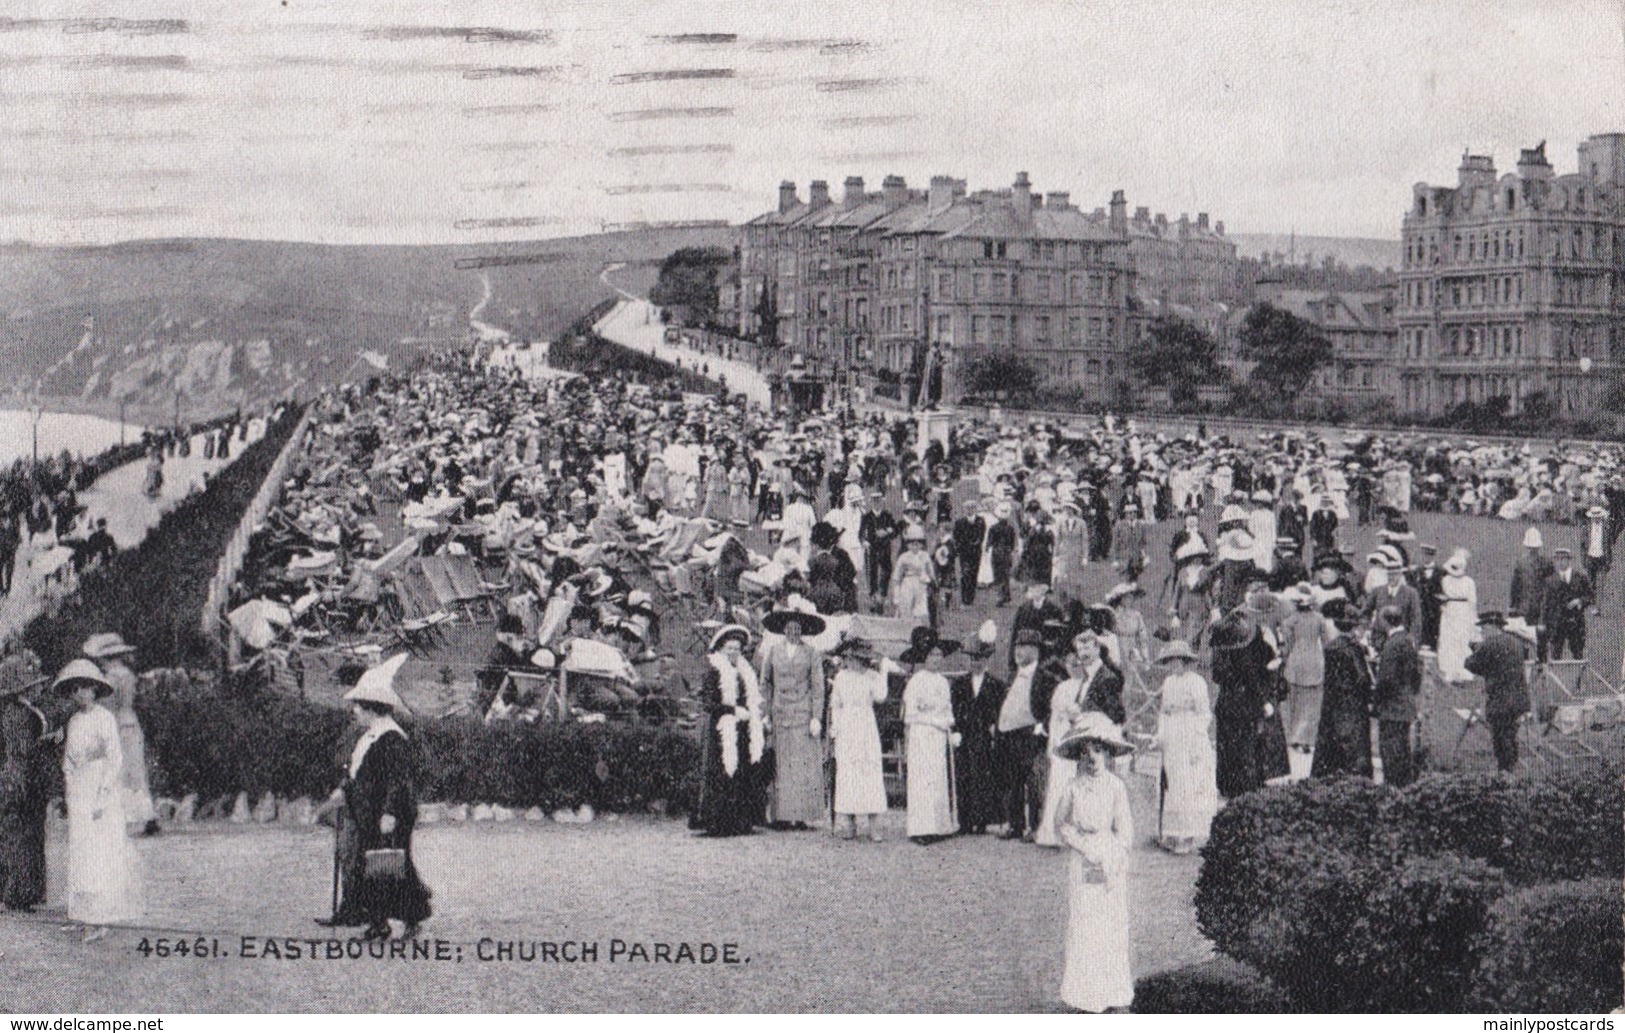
<point>1361,309</point>
<point>997,221</point>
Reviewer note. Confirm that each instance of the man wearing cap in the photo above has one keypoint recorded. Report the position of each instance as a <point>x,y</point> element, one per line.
<point>1427,578</point>
<point>877,529</point>
<point>969,530</point>
<point>1499,660</point>
<point>1323,528</point>
<point>1564,600</point>
<point>1399,682</point>
<point>1529,578</point>
<point>1019,739</point>
<point>26,781</point>
<point>976,698</point>
<point>1001,546</point>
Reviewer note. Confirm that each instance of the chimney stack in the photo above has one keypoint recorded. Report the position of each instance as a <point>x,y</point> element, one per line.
<point>1218,227</point>
<point>1119,217</point>
<point>894,190</point>
<point>941,194</point>
<point>1201,221</point>
<point>853,191</point>
<point>1142,215</point>
<point>1057,199</point>
<point>787,196</point>
<point>1021,196</point>
<point>818,193</point>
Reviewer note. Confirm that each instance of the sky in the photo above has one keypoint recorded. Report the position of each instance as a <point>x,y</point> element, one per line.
<point>344,121</point>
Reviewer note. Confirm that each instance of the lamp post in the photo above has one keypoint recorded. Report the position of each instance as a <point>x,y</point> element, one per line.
<point>122,402</point>
<point>36,413</point>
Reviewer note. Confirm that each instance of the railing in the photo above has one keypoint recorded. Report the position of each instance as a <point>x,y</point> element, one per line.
<point>231,559</point>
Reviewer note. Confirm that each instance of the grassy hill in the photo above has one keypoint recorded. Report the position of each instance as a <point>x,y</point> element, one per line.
<point>228,322</point>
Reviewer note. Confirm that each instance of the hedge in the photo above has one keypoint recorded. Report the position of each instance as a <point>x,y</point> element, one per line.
<point>154,594</point>
<point>1553,948</point>
<point>218,745</point>
<point>1350,895</point>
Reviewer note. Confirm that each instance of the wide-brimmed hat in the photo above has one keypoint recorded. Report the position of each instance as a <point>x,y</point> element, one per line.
<point>106,644</point>
<point>726,632</point>
<point>825,536</point>
<point>1124,590</point>
<point>856,649</point>
<point>811,624</point>
<point>1176,649</point>
<point>922,642</point>
<point>1532,538</point>
<point>377,684</point>
<point>1456,565</point>
<point>85,671</point>
<point>1495,617</point>
<point>20,672</point>
<point>1092,728</point>
<point>1597,513</point>
<point>913,533</point>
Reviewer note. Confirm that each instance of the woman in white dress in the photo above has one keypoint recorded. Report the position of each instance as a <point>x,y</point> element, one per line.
<point>1190,792</point>
<point>1094,822</point>
<point>860,785</point>
<point>1065,707</point>
<point>109,650</point>
<point>1458,618</point>
<point>928,716</point>
<point>101,861</point>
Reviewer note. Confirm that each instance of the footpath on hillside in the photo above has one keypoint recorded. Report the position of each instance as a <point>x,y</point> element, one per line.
<point>119,496</point>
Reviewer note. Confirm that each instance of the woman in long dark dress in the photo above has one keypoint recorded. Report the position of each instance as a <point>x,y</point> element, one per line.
<point>735,739</point>
<point>381,800</point>
<point>1241,660</point>
<point>26,771</point>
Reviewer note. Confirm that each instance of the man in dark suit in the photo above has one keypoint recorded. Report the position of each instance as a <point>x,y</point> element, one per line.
<point>1427,578</point>
<point>968,532</point>
<point>877,529</point>
<point>1529,576</point>
<point>977,697</point>
<point>1039,609</point>
<point>1323,529</point>
<point>1563,604</point>
<point>1019,737</point>
<point>1001,542</point>
<point>1397,595</point>
<point>1499,660</point>
<point>1399,682</point>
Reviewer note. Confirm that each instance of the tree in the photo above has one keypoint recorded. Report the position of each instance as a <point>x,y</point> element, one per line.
<point>1288,350</point>
<point>1178,355</point>
<point>1002,376</point>
<point>688,277</point>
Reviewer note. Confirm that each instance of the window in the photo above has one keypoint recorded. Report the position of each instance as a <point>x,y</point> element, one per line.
<point>1097,330</point>
<point>978,329</point>
<point>999,249</point>
<point>945,285</point>
<point>908,276</point>
<point>987,249</point>
<point>863,313</point>
<point>1042,286</point>
<point>945,331</point>
<point>978,284</point>
<point>903,317</point>
<point>1074,330</point>
<point>998,329</point>
<point>891,277</point>
<point>863,275</point>
<point>1042,334</point>
<point>1075,290</point>
<point>998,285</point>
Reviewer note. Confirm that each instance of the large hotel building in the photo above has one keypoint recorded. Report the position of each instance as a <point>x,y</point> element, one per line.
<point>1514,285</point>
<point>883,283</point>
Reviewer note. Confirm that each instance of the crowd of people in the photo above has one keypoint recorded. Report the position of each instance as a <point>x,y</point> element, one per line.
<point>827,560</point>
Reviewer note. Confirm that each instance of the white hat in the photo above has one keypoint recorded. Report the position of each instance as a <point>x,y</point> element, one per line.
<point>377,684</point>
<point>1457,563</point>
<point>1532,539</point>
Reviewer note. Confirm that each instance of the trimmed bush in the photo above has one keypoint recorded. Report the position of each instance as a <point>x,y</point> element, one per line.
<point>1217,987</point>
<point>199,741</point>
<point>153,594</point>
<point>1261,843</point>
<point>1353,896</point>
<point>1552,948</point>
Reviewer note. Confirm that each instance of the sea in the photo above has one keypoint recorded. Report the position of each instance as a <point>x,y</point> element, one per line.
<point>80,434</point>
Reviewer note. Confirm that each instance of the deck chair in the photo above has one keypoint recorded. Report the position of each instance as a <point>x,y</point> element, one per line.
<point>1569,698</point>
<point>420,628</point>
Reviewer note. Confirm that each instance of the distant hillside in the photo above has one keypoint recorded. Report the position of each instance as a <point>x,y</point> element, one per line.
<point>229,322</point>
<point>1351,251</point>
